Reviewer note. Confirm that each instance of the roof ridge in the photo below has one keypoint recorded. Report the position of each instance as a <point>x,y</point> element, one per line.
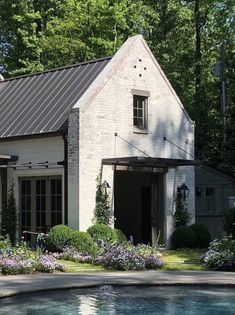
<point>57,69</point>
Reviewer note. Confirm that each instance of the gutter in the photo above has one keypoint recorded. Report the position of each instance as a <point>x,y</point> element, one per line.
<point>64,136</point>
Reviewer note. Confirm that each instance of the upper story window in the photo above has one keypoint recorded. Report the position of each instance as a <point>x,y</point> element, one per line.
<point>140,104</point>
<point>140,110</point>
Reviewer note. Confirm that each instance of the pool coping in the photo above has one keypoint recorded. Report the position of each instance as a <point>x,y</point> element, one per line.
<point>22,284</point>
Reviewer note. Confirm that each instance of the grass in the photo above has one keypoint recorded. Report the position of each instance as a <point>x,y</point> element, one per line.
<point>74,267</point>
<point>184,259</point>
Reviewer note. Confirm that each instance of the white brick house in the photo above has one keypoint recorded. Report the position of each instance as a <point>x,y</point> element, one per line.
<point>119,114</point>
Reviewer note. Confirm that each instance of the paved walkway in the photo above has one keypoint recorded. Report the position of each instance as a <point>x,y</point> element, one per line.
<point>11,285</point>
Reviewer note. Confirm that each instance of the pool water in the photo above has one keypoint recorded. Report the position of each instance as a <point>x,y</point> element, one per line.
<point>124,301</point>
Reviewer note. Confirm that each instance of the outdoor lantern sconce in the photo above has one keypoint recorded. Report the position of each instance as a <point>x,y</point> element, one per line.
<point>184,190</point>
<point>104,186</point>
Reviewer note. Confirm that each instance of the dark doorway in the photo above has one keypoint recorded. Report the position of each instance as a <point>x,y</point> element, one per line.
<point>138,205</point>
<point>146,228</point>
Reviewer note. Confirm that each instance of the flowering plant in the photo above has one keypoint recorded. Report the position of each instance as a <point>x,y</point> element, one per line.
<point>128,257</point>
<point>72,254</point>
<point>221,255</point>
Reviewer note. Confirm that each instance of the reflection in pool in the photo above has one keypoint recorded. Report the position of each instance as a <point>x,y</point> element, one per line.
<point>124,300</point>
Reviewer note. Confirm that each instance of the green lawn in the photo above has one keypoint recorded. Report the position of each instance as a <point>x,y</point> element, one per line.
<point>184,259</point>
<point>71,266</point>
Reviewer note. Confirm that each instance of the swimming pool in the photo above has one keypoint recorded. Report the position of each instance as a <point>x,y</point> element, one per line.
<point>126,300</point>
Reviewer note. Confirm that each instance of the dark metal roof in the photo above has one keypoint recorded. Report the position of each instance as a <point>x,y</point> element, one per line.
<point>39,103</point>
<point>142,161</point>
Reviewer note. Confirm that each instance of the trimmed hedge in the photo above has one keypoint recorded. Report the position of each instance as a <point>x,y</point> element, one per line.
<point>83,242</point>
<point>202,235</point>
<point>183,237</point>
<point>102,232</point>
<point>58,237</point>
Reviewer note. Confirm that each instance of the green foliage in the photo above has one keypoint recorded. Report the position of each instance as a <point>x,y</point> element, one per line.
<point>183,237</point>
<point>202,235</point>
<point>181,215</point>
<point>83,242</point>
<point>9,217</point>
<point>5,243</point>
<point>58,237</point>
<point>120,236</point>
<point>102,213</point>
<point>102,232</point>
<point>221,255</point>
<point>229,222</point>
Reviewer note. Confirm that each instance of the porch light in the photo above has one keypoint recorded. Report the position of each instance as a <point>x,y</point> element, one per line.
<point>104,186</point>
<point>184,191</point>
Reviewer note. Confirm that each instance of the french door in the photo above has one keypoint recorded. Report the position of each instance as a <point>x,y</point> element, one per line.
<point>40,203</point>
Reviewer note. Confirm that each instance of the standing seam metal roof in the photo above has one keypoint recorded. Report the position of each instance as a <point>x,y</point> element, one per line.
<point>39,103</point>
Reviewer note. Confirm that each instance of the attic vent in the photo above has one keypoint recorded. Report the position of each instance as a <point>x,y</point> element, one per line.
<point>1,78</point>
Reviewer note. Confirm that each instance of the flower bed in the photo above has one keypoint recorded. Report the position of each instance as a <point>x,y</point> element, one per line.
<point>22,260</point>
<point>117,256</point>
<point>221,255</point>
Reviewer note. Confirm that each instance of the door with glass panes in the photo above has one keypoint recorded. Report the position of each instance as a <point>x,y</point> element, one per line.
<point>40,204</point>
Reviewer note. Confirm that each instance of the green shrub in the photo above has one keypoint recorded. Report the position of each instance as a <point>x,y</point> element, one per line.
<point>58,237</point>
<point>183,237</point>
<point>5,242</point>
<point>9,217</point>
<point>120,236</point>
<point>202,235</point>
<point>221,255</point>
<point>83,242</point>
<point>181,215</point>
<point>102,232</point>
<point>229,222</point>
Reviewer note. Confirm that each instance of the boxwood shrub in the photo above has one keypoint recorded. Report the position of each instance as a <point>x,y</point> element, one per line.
<point>102,232</point>
<point>183,237</point>
<point>202,235</point>
<point>58,237</point>
<point>83,242</point>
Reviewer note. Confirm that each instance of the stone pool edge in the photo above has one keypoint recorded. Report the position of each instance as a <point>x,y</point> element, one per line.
<point>23,284</point>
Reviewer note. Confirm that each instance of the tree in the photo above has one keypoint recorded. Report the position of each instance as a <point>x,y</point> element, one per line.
<point>102,212</point>
<point>181,215</point>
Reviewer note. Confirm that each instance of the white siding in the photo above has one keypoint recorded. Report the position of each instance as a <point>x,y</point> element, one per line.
<point>35,150</point>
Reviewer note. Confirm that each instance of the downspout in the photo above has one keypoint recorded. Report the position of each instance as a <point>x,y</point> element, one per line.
<point>64,136</point>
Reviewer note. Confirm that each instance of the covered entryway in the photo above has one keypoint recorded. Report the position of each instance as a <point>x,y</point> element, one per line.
<point>139,205</point>
<point>143,195</point>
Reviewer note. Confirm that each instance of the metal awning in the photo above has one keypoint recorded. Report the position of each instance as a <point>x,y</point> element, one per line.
<point>142,161</point>
<point>6,157</point>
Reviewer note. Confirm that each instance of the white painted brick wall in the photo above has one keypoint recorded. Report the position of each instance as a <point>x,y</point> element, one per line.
<point>73,169</point>
<point>111,110</point>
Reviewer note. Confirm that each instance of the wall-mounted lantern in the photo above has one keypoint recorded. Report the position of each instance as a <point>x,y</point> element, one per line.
<point>104,186</point>
<point>184,190</point>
